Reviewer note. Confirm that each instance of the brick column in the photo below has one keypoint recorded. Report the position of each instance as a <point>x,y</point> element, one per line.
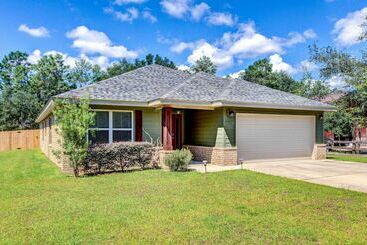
<point>319,152</point>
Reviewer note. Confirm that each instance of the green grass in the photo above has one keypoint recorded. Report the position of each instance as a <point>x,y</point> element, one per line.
<point>347,157</point>
<point>39,205</point>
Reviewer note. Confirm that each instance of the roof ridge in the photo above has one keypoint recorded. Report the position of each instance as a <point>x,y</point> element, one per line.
<point>179,86</point>
<point>226,90</point>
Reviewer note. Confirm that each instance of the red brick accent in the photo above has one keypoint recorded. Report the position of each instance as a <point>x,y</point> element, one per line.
<point>214,155</point>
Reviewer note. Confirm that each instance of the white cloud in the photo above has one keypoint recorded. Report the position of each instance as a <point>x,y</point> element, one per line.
<point>176,8</point>
<point>221,59</point>
<point>182,46</point>
<point>199,10</point>
<point>185,9</point>
<point>129,16</point>
<point>307,65</point>
<point>149,16</point>
<point>102,61</point>
<point>219,19</point>
<point>310,33</point>
<point>34,57</point>
<point>34,32</point>
<point>236,74</point>
<point>95,42</point>
<point>348,29</point>
<point>184,68</point>
<point>337,82</point>
<point>248,43</point>
<point>244,43</point>
<point>121,2</point>
<point>280,66</point>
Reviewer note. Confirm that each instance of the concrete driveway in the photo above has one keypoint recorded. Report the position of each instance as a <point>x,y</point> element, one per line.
<point>339,174</point>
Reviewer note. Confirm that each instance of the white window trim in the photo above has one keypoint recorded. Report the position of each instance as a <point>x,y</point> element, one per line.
<point>110,128</point>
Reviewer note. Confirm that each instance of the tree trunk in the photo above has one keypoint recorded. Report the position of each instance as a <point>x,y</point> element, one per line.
<point>76,171</point>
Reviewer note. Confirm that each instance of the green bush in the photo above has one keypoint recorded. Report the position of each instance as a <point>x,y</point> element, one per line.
<point>178,160</point>
<point>118,156</point>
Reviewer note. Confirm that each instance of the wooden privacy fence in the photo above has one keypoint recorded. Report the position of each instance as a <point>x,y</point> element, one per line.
<point>20,139</point>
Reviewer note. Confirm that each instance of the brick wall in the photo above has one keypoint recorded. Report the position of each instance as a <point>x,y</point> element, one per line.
<point>214,155</point>
<point>50,141</point>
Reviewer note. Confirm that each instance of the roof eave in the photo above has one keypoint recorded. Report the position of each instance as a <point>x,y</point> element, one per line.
<point>273,106</point>
<point>188,105</point>
<point>45,111</point>
<point>50,105</point>
<point>182,104</point>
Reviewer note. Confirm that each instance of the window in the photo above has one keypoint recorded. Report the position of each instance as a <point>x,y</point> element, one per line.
<point>112,126</point>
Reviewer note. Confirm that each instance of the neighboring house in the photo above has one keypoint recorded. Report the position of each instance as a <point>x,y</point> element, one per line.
<point>221,120</point>
<point>359,132</point>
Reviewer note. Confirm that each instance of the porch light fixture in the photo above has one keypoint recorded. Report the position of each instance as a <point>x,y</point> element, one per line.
<point>231,113</point>
<point>321,116</point>
<point>205,162</point>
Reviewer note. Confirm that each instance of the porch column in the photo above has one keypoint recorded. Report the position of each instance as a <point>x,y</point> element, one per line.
<point>167,129</point>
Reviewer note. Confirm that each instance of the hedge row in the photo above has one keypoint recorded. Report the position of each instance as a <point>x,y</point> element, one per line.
<point>118,156</point>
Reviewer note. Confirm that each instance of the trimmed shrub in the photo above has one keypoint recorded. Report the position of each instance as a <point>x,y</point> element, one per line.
<point>178,159</point>
<point>118,156</point>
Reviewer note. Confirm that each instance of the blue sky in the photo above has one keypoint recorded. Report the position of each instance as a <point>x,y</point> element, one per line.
<point>233,33</point>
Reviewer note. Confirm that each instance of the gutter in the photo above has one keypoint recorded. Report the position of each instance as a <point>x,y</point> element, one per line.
<point>47,109</point>
<point>185,104</point>
<point>273,106</point>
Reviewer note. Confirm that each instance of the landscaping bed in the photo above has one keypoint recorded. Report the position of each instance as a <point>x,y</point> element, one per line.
<point>39,204</point>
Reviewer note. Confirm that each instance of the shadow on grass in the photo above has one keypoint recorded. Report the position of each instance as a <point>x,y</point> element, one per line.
<point>108,172</point>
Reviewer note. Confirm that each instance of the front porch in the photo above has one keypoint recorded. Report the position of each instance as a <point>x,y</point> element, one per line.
<point>208,134</point>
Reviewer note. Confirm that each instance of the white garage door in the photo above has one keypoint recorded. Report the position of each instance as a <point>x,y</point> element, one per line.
<point>269,136</point>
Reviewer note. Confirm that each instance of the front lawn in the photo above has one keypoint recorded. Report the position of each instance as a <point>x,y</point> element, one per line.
<point>40,205</point>
<point>347,157</point>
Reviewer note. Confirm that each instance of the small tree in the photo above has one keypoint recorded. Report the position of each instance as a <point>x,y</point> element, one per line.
<point>340,123</point>
<point>74,119</point>
<point>204,64</point>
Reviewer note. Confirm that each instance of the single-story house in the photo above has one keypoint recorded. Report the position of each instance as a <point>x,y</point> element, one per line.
<point>221,120</point>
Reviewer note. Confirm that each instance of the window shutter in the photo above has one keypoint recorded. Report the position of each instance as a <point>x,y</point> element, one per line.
<point>138,126</point>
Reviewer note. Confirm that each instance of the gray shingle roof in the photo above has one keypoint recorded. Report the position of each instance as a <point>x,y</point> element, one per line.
<point>157,82</point>
<point>141,85</point>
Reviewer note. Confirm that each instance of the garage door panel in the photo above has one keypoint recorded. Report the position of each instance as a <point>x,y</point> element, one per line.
<point>264,136</point>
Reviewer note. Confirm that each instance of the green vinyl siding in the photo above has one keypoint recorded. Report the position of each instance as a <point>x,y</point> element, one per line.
<point>209,127</point>
<point>152,119</point>
<point>206,128</point>
<point>152,127</point>
<point>229,125</point>
<point>319,129</point>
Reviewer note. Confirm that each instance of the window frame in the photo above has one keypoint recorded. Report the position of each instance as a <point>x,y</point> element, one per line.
<point>110,128</point>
